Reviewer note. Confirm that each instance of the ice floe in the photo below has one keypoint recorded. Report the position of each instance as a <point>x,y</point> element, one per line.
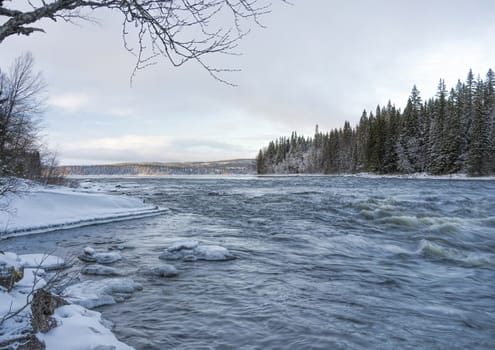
<point>91,294</point>
<point>190,250</point>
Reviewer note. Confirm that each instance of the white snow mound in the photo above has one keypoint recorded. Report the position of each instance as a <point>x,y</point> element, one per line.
<point>90,255</point>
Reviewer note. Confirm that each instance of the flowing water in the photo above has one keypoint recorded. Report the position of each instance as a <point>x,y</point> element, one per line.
<point>322,263</point>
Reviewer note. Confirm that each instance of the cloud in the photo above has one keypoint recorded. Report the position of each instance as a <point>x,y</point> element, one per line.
<point>70,102</point>
<point>132,148</point>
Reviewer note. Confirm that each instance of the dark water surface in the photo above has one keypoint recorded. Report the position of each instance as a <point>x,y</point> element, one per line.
<point>323,263</point>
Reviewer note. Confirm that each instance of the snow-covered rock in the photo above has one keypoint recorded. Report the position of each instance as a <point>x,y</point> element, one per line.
<point>165,270</point>
<point>11,270</point>
<point>213,252</point>
<point>80,329</point>
<point>14,300</point>
<point>100,270</point>
<point>44,261</point>
<point>192,251</point>
<point>77,328</point>
<point>183,245</point>
<point>89,251</point>
<point>90,255</point>
<point>91,294</point>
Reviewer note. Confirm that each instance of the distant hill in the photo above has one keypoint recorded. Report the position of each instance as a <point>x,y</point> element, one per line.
<point>226,167</point>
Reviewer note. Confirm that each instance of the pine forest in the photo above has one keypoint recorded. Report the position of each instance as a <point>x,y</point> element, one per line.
<point>454,132</point>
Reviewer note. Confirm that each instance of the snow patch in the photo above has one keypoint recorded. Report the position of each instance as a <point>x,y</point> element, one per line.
<point>44,261</point>
<point>36,209</point>
<point>80,329</point>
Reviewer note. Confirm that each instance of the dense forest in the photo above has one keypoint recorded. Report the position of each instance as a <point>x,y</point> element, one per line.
<point>454,132</point>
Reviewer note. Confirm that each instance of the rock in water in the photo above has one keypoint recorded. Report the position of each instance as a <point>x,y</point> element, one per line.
<point>89,251</point>
<point>100,270</point>
<point>90,255</point>
<point>165,271</point>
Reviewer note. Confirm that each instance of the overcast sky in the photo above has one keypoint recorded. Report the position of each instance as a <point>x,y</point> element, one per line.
<point>317,62</point>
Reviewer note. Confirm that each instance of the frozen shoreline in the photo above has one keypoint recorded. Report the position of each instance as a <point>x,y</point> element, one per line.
<point>415,176</point>
<point>36,209</point>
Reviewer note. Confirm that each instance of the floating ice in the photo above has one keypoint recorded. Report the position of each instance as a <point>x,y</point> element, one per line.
<point>101,270</point>
<point>192,251</point>
<point>90,255</point>
<point>165,271</point>
<point>91,294</point>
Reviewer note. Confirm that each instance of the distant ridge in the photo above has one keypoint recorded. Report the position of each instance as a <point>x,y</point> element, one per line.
<point>224,167</point>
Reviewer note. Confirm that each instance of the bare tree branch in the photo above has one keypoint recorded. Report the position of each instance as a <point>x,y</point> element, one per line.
<point>180,30</point>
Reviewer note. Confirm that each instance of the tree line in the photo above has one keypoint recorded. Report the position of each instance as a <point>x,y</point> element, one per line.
<point>453,132</point>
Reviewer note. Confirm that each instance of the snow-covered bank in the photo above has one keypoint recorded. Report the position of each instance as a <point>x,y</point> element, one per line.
<point>388,176</point>
<point>37,209</point>
<point>77,328</point>
<point>458,176</point>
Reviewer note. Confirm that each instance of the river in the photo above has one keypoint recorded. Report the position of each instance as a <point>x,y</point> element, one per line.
<point>323,262</point>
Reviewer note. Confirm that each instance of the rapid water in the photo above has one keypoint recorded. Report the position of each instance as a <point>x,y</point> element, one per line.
<point>322,263</point>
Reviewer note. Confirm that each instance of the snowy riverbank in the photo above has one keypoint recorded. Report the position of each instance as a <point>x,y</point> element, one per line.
<point>76,328</point>
<point>36,209</point>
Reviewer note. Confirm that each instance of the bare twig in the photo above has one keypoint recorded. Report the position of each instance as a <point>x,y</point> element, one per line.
<point>180,30</point>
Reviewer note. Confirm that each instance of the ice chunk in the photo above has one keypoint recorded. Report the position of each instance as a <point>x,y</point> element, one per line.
<point>80,329</point>
<point>44,261</point>
<point>101,270</point>
<point>91,294</point>
<point>192,251</point>
<point>165,271</point>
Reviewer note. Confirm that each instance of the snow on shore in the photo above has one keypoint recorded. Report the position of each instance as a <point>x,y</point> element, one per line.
<point>77,327</point>
<point>37,209</point>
